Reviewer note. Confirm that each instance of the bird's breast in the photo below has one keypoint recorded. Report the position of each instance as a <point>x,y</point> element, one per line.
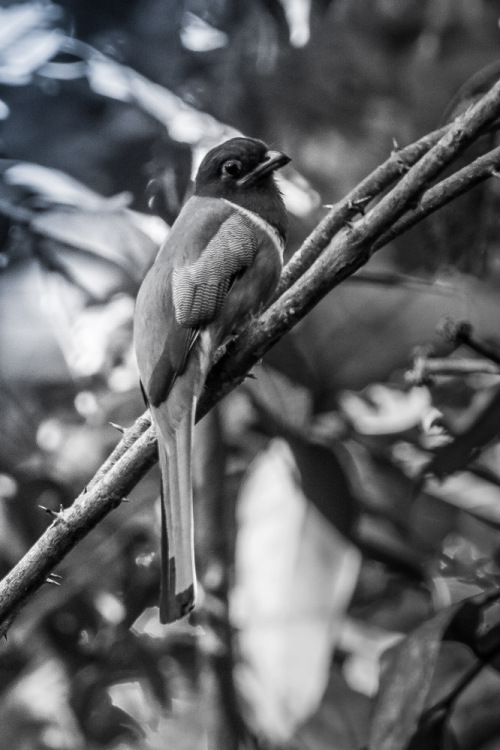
<point>261,225</point>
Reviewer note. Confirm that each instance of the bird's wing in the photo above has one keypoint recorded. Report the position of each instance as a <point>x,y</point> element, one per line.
<point>199,289</point>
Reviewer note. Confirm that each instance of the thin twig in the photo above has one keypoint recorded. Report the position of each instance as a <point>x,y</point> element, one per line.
<point>430,367</point>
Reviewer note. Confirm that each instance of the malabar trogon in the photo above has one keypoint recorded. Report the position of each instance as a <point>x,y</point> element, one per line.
<point>220,263</point>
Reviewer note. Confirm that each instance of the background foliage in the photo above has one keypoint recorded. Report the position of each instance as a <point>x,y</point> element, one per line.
<point>316,551</point>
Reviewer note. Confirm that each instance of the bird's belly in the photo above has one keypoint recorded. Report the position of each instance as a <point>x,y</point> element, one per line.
<point>251,292</point>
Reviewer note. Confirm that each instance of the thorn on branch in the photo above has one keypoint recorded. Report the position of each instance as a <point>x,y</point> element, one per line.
<point>51,580</point>
<point>55,514</point>
<point>396,148</point>
<point>358,206</point>
<point>402,165</point>
<point>117,427</point>
<point>51,512</point>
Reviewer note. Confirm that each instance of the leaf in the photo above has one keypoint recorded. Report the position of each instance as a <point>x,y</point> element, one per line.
<point>29,344</point>
<point>92,241</point>
<point>475,719</point>
<point>405,683</point>
<point>381,410</point>
<point>199,36</point>
<point>482,432</point>
<point>100,252</point>
<point>324,483</point>
<point>357,336</point>
<point>341,721</point>
<point>57,187</point>
<point>430,735</point>
<point>25,43</point>
<point>285,409</point>
<point>58,260</point>
<point>38,704</point>
<point>294,578</point>
<point>410,668</point>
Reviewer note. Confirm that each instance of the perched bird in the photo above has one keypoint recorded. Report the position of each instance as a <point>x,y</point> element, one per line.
<point>220,263</point>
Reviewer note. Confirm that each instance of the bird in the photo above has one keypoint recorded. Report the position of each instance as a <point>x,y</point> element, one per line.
<point>219,265</point>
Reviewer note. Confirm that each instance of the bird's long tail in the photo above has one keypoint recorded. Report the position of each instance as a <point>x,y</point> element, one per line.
<point>178,576</point>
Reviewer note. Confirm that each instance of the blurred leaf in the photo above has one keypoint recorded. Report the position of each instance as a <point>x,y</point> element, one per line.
<point>294,578</point>
<point>28,324</point>
<point>199,36</point>
<point>132,656</point>
<point>411,667</point>
<point>285,409</point>
<point>60,258</point>
<point>381,410</point>
<point>475,720</point>
<point>283,404</point>
<point>25,41</point>
<point>102,722</point>
<point>430,734</point>
<point>341,721</point>
<point>56,188</point>
<point>324,483</point>
<point>101,253</point>
<point>358,336</point>
<point>37,708</point>
<point>92,241</point>
<point>476,492</point>
<point>483,430</point>
<point>406,678</point>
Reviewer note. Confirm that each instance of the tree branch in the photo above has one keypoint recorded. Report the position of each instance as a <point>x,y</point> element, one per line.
<point>354,204</point>
<point>444,192</point>
<point>330,254</point>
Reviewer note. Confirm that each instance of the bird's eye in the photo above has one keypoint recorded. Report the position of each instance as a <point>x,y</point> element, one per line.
<point>232,168</point>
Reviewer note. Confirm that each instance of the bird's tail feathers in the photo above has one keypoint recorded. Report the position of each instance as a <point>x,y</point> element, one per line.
<point>178,576</point>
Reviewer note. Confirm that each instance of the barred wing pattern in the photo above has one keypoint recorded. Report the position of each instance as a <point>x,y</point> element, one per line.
<point>199,290</point>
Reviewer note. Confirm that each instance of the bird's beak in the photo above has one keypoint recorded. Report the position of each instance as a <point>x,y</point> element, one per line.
<point>272,160</point>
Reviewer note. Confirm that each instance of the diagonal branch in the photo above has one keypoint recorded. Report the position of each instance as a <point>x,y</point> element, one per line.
<point>333,251</point>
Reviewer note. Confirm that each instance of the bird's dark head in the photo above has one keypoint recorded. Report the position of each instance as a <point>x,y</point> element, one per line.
<point>241,170</point>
